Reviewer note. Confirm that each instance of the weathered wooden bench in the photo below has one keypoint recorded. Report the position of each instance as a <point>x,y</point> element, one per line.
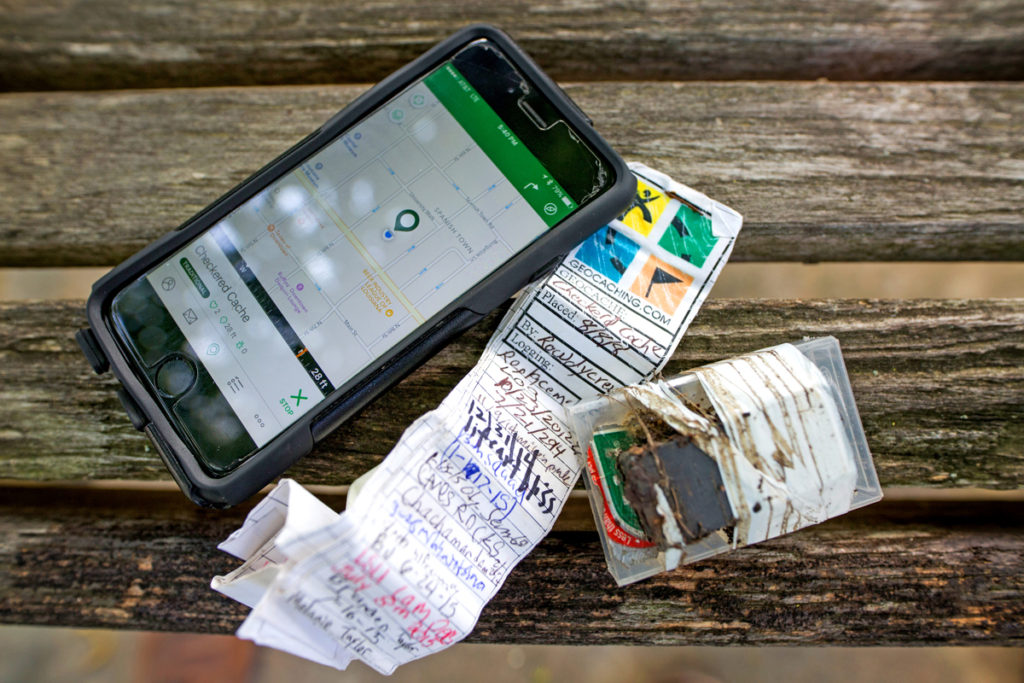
<point>911,151</point>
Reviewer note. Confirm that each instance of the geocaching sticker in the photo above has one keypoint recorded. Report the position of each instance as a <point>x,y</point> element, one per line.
<point>648,205</point>
<point>608,252</point>
<point>661,284</point>
<point>689,236</point>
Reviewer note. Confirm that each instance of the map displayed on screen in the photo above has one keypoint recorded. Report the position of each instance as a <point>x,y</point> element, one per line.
<point>319,274</point>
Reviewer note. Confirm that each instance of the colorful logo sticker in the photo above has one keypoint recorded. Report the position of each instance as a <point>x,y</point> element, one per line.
<point>661,284</point>
<point>619,519</point>
<point>648,204</point>
<point>608,252</point>
<point>689,236</point>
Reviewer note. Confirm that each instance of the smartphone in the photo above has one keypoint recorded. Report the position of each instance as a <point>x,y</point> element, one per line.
<point>265,321</point>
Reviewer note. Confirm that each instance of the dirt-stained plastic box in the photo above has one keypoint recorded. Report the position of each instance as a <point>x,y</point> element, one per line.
<point>723,456</point>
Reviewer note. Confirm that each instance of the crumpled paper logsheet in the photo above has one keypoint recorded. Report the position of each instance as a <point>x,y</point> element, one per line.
<point>474,485</point>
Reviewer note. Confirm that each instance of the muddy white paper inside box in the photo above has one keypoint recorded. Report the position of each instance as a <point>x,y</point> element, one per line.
<point>723,456</point>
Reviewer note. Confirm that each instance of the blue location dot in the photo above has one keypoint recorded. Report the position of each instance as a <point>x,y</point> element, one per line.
<point>388,235</point>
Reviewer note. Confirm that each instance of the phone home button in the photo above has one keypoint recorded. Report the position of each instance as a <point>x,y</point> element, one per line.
<point>175,376</point>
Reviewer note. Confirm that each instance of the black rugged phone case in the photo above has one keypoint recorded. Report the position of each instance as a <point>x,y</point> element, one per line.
<point>103,350</point>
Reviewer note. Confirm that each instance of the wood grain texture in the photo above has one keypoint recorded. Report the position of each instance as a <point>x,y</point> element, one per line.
<point>57,44</point>
<point>889,574</point>
<point>939,386</point>
<point>821,172</point>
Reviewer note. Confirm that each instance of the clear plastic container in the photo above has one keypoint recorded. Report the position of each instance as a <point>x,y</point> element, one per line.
<point>598,426</point>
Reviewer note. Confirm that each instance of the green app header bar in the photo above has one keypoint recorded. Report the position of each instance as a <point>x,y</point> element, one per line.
<point>542,192</point>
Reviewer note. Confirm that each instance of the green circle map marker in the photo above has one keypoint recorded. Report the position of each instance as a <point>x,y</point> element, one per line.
<point>404,225</point>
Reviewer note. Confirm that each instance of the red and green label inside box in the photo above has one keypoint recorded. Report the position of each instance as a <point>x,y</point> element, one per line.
<point>619,519</point>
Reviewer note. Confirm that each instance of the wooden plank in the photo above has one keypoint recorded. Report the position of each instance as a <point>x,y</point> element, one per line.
<point>50,44</point>
<point>822,172</point>
<point>939,385</point>
<point>895,573</point>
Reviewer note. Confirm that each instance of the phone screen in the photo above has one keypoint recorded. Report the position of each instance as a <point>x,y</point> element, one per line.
<point>311,280</point>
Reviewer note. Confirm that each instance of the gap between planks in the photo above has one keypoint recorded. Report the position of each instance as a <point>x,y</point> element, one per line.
<point>575,516</point>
